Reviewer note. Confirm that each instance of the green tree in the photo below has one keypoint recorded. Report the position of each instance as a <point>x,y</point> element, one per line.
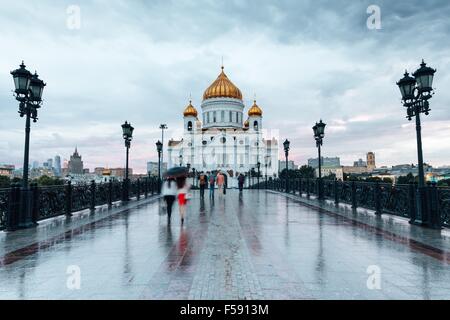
<point>444,183</point>
<point>49,181</point>
<point>5,182</point>
<point>409,178</point>
<point>306,171</point>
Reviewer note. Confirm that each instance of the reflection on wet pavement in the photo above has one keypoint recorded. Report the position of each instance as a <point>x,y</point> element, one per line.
<point>250,246</point>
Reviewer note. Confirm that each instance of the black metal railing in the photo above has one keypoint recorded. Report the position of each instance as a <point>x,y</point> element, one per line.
<point>383,198</point>
<point>52,201</point>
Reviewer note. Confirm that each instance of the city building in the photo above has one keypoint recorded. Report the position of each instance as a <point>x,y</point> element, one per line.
<point>282,165</point>
<point>75,164</point>
<point>7,170</point>
<point>361,167</point>
<point>223,140</point>
<point>333,170</point>
<point>326,162</point>
<point>360,163</point>
<point>152,168</point>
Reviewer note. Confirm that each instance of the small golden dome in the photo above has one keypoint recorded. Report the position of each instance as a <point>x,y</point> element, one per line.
<point>190,111</point>
<point>246,124</point>
<point>255,110</point>
<point>222,88</point>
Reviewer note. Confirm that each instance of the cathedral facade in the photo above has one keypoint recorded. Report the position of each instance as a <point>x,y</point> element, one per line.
<point>221,140</point>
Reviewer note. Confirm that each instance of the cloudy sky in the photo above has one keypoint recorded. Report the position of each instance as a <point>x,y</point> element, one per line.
<point>140,60</point>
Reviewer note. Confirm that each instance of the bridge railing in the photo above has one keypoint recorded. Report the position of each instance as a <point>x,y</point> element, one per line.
<point>383,198</point>
<point>51,201</point>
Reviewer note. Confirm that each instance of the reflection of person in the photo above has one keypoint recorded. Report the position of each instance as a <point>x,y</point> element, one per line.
<point>220,182</point>
<point>212,184</point>
<point>241,180</point>
<point>183,190</point>
<point>169,191</point>
<point>203,181</point>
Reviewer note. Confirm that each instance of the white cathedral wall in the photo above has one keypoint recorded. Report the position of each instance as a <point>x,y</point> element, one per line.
<point>239,152</point>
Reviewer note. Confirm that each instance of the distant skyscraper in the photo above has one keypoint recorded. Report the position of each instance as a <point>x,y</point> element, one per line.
<point>50,163</point>
<point>75,163</point>
<point>57,167</point>
<point>35,165</point>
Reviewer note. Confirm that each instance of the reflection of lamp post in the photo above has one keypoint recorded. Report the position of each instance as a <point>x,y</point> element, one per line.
<point>127,130</point>
<point>258,165</point>
<point>194,176</point>
<point>159,147</point>
<point>267,159</point>
<point>415,95</point>
<point>181,160</point>
<point>28,90</point>
<point>319,134</point>
<point>286,145</point>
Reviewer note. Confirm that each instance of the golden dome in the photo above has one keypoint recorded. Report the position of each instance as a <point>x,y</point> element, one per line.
<point>246,124</point>
<point>222,88</point>
<point>190,111</point>
<point>255,110</point>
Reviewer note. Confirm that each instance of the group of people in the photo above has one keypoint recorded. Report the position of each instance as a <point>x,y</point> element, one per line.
<point>172,189</point>
<point>178,188</point>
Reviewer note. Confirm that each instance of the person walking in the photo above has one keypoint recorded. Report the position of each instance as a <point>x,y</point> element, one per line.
<point>212,185</point>
<point>183,196</point>
<point>241,181</point>
<point>220,183</point>
<point>203,182</point>
<point>169,191</point>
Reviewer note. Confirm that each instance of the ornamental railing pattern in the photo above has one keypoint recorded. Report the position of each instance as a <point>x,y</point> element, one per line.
<point>51,201</point>
<point>400,199</point>
<point>4,202</point>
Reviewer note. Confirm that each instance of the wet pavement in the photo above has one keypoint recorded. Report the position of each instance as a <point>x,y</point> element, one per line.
<point>258,245</point>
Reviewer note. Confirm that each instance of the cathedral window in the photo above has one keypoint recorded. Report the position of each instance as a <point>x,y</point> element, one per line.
<point>189,126</point>
<point>237,117</point>
<point>214,116</point>
<point>231,117</point>
<point>255,125</point>
<point>222,116</point>
<point>207,115</point>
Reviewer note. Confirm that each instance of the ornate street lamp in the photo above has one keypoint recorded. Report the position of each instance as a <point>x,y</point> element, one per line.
<point>258,165</point>
<point>159,148</point>
<point>28,91</point>
<point>286,145</point>
<point>319,134</point>
<point>162,127</point>
<point>127,131</point>
<point>415,95</point>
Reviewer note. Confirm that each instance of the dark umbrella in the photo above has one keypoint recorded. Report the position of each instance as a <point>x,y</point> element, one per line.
<point>177,172</point>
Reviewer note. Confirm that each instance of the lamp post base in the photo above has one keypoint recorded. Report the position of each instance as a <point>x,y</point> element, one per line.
<point>26,210</point>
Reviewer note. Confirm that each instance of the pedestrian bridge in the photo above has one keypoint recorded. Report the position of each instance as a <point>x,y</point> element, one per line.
<point>255,245</point>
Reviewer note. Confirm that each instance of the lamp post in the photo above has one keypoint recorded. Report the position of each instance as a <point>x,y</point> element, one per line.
<point>415,95</point>
<point>286,145</point>
<point>181,160</point>
<point>159,147</point>
<point>267,159</point>
<point>162,127</point>
<point>194,177</point>
<point>127,130</point>
<point>258,165</point>
<point>319,134</point>
<point>28,91</point>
